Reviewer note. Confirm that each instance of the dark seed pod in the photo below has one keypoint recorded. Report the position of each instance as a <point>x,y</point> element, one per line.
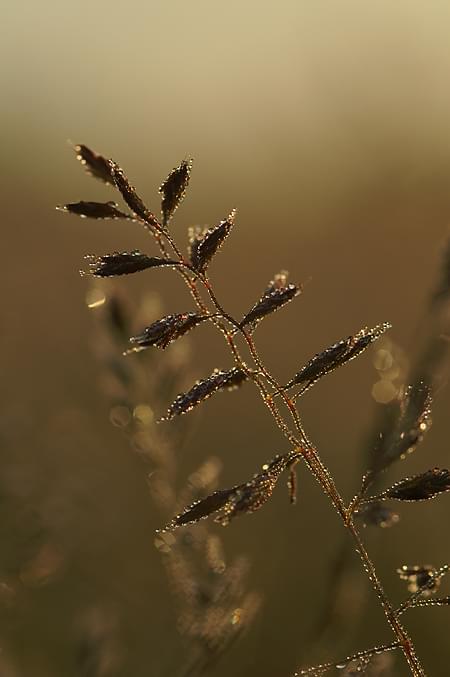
<point>241,499</point>
<point>321,364</point>
<point>277,294</point>
<point>94,164</point>
<point>173,189</point>
<point>124,263</point>
<point>335,356</point>
<point>219,380</point>
<point>420,487</point>
<point>95,210</point>
<point>364,338</point>
<point>164,331</point>
<point>205,245</point>
<point>201,509</point>
<point>252,495</point>
<point>130,196</point>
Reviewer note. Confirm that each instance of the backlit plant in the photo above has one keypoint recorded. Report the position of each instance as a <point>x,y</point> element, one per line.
<point>411,409</point>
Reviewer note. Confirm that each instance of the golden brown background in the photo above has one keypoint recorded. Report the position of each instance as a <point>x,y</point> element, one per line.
<point>327,125</point>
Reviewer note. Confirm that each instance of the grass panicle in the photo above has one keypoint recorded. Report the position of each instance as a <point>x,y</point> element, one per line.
<point>399,431</point>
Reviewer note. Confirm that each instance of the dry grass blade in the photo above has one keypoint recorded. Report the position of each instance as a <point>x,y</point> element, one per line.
<point>252,495</point>
<point>96,165</point>
<point>241,499</point>
<point>407,420</point>
<point>162,332</point>
<point>174,188</point>
<point>94,210</point>
<point>414,422</point>
<point>421,487</point>
<point>202,390</point>
<point>205,245</point>
<point>200,509</point>
<point>320,364</point>
<point>336,355</point>
<point>124,263</point>
<point>277,294</point>
<point>130,196</point>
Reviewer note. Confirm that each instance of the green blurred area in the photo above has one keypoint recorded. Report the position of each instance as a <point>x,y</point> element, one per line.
<point>327,125</point>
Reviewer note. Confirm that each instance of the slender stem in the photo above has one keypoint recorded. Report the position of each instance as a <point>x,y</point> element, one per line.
<point>411,601</point>
<point>429,601</point>
<point>323,476</point>
<point>390,613</point>
<point>302,444</point>
<point>324,667</point>
<point>358,499</point>
<point>267,398</point>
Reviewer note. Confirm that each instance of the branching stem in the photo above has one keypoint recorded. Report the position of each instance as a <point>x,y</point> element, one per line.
<point>298,439</point>
<point>367,653</point>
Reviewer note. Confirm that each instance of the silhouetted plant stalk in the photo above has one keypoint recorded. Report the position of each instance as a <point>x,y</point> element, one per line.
<point>388,436</point>
<point>250,496</point>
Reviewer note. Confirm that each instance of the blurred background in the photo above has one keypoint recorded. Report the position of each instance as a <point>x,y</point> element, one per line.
<point>327,126</point>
